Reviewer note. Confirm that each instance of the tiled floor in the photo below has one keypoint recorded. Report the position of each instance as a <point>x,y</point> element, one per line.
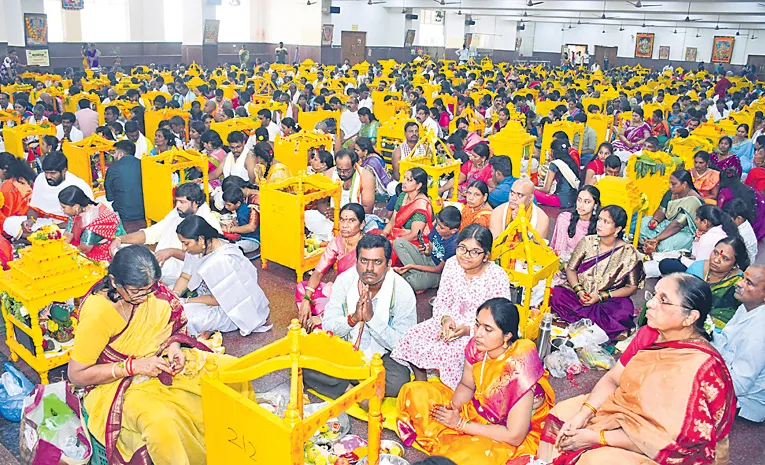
<point>747,444</point>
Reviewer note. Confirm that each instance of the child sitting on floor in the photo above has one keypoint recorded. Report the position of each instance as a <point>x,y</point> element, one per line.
<point>247,219</point>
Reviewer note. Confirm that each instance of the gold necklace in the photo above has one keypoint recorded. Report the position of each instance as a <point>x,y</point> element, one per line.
<point>121,310</point>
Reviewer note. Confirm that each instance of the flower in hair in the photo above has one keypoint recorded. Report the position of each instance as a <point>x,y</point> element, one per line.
<point>709,325</point>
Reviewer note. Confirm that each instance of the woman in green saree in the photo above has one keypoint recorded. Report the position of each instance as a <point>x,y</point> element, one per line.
<point>369,124</point>
<point>672,226</point>
<point>724,268</point>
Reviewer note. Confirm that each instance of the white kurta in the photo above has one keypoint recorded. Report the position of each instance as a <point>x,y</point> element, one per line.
<point>233,280</point>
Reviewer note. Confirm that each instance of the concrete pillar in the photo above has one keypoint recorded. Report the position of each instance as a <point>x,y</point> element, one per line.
<point>147,20</point>
<point>72,25</point>
<point>193,15</point>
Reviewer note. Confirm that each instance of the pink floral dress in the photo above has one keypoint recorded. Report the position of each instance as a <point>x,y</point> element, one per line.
<point>459,298</point>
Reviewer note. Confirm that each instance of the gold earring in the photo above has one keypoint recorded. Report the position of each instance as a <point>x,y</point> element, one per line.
<point>504,345</point>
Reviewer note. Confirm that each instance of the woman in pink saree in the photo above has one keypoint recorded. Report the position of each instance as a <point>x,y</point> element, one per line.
<point>631,138</point>
<point>312,296</point>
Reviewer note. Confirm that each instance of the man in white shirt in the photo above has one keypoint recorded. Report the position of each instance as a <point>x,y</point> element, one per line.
<point>463,54</point>
<point>350,123</point>
<point>718,111</point>
<point>264,115</point>
<point>186,93</point>
<point>427,123</point>
<point>44,207</point>
<point>111,96</point>
<point>66,129</point>
<point>740,212</point>
<point>381,307</point>
<point>365,99</point>
<point>142,144</point>
<point>742,345</point>
<point>189,200</point>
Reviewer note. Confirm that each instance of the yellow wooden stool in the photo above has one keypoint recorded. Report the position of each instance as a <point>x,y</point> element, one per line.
<point>238,430</point>
<point>162,173</point>
<point>81,160</point>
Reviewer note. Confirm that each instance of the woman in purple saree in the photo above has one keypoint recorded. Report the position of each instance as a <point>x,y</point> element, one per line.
<point>630,139</point>
<point>602,274</point>
<point>731,188</point>
<point>723,158</point>
<point>372,160</point>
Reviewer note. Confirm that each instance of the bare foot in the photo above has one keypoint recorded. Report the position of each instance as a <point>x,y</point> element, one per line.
<point>205,335</point>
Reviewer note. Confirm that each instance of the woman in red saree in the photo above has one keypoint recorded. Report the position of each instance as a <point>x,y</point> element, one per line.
<point>498,410</point>
<point>313,295</point>
<point>669,400</point>
<point>91,227</point>
<point>413,212</point>
<point>143,390</point>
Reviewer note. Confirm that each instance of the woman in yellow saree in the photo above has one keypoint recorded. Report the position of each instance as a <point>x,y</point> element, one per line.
<point>497,412</point>
<point>144,392</point>
<point>669,400</point>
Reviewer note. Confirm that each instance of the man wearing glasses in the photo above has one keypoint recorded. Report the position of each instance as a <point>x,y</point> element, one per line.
<point>372,307</point>
<point>742,344</point>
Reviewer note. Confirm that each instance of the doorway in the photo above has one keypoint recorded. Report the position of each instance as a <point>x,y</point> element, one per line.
<point>354,46</point>
<point>759,61</point>
<point>601,53</point>
<point>575,53</point>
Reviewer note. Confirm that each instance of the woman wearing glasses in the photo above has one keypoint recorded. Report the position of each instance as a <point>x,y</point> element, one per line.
<point>221,283</point>
<point>602,273</point>
<point>468,280</point>
<point>669,399</point>
<point>142,398</point>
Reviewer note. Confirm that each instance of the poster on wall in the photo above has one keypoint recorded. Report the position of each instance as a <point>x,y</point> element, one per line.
<point>212,26</point>
<point>409,38</point>
<point>722,49</point>
<point>327,31</point>
<point>690,53</point>
<point>72,4</point>
<point>39,57</point>
<point>644,45</point>
<point>664,52</point>
<point>36,29</point>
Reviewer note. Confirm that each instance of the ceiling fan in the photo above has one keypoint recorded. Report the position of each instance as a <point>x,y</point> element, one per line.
<point>603,16</point>
<point>526,15</point>
<point>370,2</point>
<point>688,15</point>
<point>639,4</point>
<point>309,3</point>
<point>444,2</point>
<point>532,3</point>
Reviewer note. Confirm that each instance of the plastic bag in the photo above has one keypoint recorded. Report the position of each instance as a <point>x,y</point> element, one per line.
<point>52,428</point>
<point>596,357</point>
<point>563,362</point>
<point>585,332</point>
<point>14,387</point>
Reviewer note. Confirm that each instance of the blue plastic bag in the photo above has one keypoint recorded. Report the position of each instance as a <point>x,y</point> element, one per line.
<point>20,387</point>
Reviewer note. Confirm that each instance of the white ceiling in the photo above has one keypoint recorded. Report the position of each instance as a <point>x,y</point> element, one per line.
<point>731,15</point>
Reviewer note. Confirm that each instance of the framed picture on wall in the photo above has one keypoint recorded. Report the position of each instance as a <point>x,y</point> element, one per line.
<point>722,49</point>
<point>36,29</point>
<point>690,53</point>
<point>644,45</point>
<point>72,4</point>
<point>212,26</point>
<point>327,31</point>
<point>664,52</point>
<point>409,38</point>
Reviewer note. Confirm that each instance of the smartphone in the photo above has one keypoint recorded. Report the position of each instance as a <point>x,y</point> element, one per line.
<point>419,238</point>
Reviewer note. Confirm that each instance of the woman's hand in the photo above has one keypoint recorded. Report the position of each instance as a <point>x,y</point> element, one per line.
<point>445,415</point>
<point>461,331</point>
<point>650,246</point>
<point>402,269</point>
<point>576,422</point>
<point>304,312</point>
<point>448,326</point>
<point>583,296</point>
<point>151,366</point>
<point>67,237</point>
<point>312,323</point>
<point>578,439</point>
<point>590,299</point>
<point>177,358</point>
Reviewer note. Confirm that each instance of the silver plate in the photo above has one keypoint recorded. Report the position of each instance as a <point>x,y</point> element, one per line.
<point>345,428</point>
<point>387,459</point>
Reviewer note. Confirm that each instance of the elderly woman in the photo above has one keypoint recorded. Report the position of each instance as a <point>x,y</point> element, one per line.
<point>498,409</point>
<point>312,296</point>
<point>164,140</point>
<point>572,226</point>
<point>143,400</point>
<point>476,209</point>
<point>468,280</point>
<point>672,227</point>
<point>602,273</point>
<point>669,399</point>
<point>91,227</point>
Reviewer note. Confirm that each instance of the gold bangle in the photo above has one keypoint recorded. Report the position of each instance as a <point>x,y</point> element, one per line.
<point>589,406</point>
<point>603,438</point>
<point>114,366</point>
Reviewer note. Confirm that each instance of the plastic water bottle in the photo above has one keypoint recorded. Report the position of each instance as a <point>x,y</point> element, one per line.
<point>543,341</point>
